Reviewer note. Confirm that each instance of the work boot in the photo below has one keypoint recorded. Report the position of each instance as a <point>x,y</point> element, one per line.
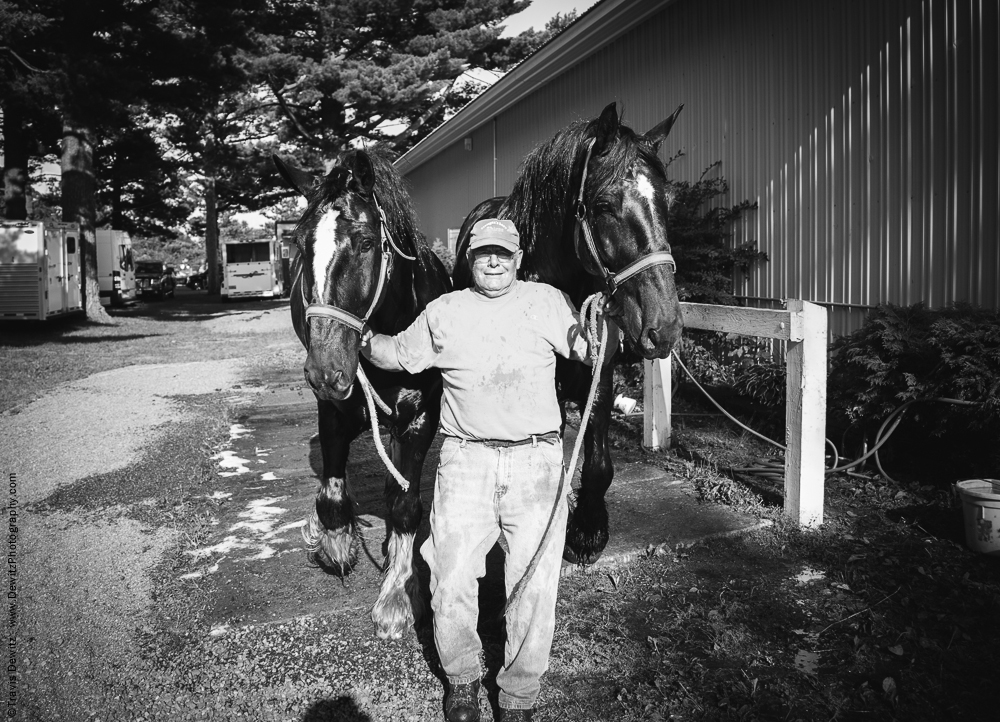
<point>515,715</point>
<point>462,703</point>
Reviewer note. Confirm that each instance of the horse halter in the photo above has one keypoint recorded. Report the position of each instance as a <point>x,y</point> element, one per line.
<point>322,310</point>
<point>613,280</point>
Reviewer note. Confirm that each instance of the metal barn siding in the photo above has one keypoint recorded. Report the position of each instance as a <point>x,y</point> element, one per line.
<point>866,131</point>
<point>456,181</point>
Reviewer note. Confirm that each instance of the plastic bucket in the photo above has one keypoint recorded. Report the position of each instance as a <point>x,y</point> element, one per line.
<point>981,509</point>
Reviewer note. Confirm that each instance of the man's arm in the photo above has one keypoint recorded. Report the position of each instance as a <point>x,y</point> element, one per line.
<point>380,350</point>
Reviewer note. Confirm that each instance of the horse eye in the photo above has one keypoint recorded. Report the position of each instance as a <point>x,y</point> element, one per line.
<point>366,245</point>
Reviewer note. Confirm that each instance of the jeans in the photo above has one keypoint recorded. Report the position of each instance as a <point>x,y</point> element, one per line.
<point>479,492</point>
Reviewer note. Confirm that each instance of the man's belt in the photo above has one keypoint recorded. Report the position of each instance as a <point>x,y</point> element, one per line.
<point>503,444</point>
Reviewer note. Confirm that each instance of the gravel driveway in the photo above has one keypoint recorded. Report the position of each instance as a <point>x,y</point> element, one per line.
<point>82,576</point>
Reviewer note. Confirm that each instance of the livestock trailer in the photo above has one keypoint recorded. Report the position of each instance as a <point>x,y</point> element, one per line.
<point>39,270</point>
<point>284,231</point>
<point>251,268</point>
<point>115,267</point>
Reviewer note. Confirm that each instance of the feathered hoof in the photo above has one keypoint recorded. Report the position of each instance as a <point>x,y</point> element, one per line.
<point>392,614</point>
<point>399,603</point>
<point>336,549</point>
<point>581,558</point>
<point>586,532</point>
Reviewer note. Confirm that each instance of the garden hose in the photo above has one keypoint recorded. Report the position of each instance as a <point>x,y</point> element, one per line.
<point>774,469</point>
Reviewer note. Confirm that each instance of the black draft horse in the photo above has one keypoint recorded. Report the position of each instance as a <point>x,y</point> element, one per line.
<point>361,260</point>
<point>591,207</point>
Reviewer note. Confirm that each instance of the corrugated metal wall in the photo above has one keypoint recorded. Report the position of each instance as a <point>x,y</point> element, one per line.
<point>867,131</point>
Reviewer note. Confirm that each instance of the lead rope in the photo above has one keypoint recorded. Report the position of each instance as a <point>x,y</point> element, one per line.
<point>372,398</point>
<point>589,311</point>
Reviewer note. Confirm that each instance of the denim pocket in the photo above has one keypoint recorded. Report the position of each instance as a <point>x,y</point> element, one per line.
<point>449,450</point>
<point>552,453</point>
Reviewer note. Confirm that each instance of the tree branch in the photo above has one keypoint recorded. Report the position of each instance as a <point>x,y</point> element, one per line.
<point>25,63</point>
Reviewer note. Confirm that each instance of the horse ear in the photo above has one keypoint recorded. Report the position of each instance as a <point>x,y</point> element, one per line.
<point>296,178</point>
<point>658,134</point>
<point>363,172</point>
<point>607,128</point>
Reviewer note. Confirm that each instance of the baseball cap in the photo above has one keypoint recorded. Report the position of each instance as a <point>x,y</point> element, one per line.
<point>495,232</point>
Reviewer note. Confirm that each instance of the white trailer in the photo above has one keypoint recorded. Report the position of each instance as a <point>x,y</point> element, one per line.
<point>115,267</point>
<point>252,268</point>
<point>39,270</point>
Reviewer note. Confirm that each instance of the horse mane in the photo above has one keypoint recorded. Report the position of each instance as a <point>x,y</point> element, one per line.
<point>393,195</point>
<point>541,202</point>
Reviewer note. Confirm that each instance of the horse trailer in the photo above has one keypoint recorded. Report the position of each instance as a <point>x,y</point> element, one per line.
<point>39,270</point>
<point>251,268</point>
<point>115,267</point>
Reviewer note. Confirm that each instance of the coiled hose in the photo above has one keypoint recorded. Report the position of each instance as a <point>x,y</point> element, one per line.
<point>775,468</point>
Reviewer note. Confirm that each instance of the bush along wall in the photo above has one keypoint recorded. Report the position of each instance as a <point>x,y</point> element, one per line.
<point>911,353</point>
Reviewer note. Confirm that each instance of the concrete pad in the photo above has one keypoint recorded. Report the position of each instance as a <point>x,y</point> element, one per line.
<point>255,564</point>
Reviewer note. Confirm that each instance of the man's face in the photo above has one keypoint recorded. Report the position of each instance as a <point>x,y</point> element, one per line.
<point>494,269</point>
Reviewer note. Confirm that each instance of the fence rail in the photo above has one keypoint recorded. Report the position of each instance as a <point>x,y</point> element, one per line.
<point>803,326</point>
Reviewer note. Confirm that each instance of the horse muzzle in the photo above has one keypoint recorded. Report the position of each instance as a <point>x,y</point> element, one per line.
<point>657,342</point>
<point>329,384</point>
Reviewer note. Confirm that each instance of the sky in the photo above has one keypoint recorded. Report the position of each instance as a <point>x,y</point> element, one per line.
<point>540,12</point>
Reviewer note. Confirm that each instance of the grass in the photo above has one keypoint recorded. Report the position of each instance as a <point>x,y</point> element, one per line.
<point>881,614</point>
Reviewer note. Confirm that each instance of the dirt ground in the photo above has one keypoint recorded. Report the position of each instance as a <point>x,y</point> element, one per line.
<point>159,573</point>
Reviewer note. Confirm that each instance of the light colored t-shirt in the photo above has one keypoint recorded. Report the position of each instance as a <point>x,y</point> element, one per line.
<point>497,358</point>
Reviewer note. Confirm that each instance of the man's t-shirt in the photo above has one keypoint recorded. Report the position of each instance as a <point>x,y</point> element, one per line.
<point>497,358</point>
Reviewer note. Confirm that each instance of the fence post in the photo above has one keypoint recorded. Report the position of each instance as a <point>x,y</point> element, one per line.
<point>656,393</point>
<point>805,413</point>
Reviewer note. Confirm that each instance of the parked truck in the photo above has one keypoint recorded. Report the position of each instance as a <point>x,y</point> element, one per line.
<point>252,268</point>
<point>39,270</point>
<point>115,267</point>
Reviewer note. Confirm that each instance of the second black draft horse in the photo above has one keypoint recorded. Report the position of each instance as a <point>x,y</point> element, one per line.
<point>362,261</point>
<point>591,207</point>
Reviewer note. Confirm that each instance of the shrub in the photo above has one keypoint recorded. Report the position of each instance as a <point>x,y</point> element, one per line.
<point>699,232</point>
<point>763,382</point>
<point>904,353</point>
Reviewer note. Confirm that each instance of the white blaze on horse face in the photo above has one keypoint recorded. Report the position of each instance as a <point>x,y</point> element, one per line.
<point>645,187</point>
<point>324,249</point>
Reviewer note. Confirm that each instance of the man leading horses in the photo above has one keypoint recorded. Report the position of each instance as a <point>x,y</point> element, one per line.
<point>501,461</point>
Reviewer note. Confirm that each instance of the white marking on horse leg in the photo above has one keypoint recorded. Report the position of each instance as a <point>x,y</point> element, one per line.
<point>399,601</point>
<point>324,248</point>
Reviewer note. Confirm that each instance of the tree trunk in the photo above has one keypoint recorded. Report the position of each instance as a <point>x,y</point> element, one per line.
<point>15,171</point>
<point>80,206</point>
<point>212,238</point>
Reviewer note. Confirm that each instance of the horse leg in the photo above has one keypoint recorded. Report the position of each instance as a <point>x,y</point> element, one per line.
<point>587,528</point>
<point>399,602</point>
<point>329,534</point>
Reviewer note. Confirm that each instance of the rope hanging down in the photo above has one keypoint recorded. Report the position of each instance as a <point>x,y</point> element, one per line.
<point>589,311</point>
<point>372,398</point>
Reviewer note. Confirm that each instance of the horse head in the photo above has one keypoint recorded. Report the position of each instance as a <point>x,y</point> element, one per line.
<point>622,202</point>
<point>343,267</point>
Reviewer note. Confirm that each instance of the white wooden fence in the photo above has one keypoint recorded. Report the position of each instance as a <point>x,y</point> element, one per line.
<point>803,326</point>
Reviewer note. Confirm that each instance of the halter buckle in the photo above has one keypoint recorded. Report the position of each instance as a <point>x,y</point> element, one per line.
<point>611,283</point>
<point>581,210</point>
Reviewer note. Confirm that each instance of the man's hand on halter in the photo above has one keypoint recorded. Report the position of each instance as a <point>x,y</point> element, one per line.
<point>380,350</point>
<point>615,336</point>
